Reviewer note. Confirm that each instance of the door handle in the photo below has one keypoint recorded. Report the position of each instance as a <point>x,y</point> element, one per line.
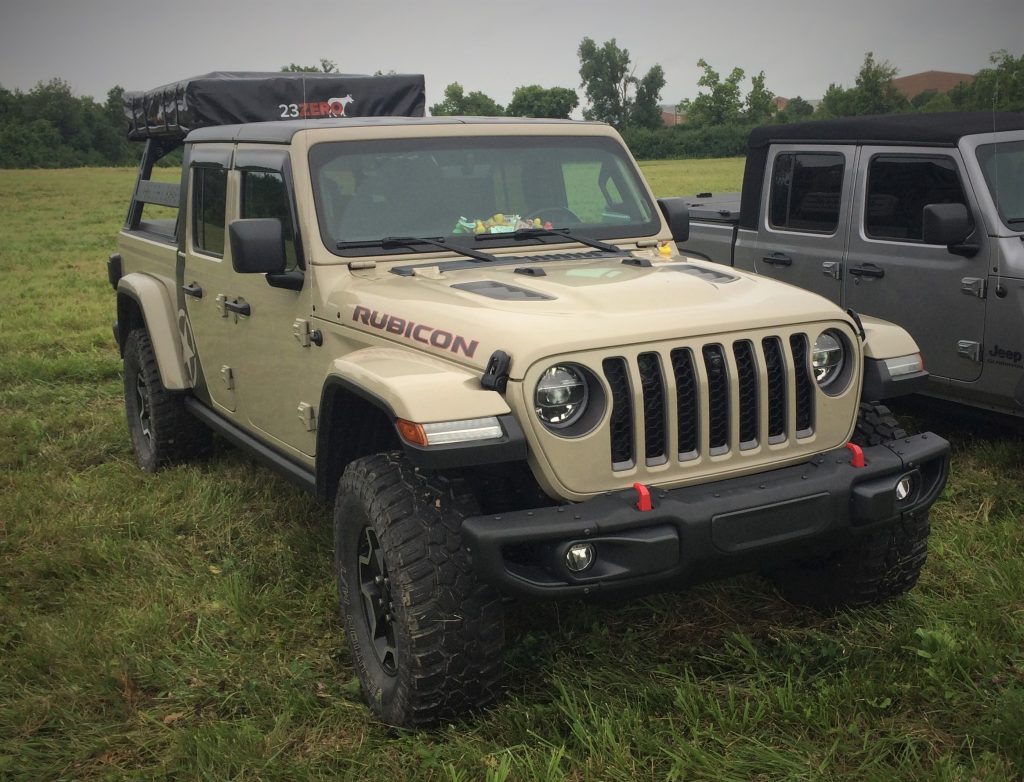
<point>778,259</point>
<point>193,290</point>
<point>867,270</point>
<point>238,307</point>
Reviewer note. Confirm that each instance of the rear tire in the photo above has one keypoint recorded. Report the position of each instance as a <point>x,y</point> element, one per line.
<point>162,430</point>
<point>878,565</point>
<point>427,637</point>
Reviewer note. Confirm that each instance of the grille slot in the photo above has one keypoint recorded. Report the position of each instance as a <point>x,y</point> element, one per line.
<point>687,404</point>
<point>746,379</point>
<point>804,390</point>
<point>718,399</point>
<point>775,366</point>
<point>617,374</point>
<point>653,384</point>
<point>691,403</point>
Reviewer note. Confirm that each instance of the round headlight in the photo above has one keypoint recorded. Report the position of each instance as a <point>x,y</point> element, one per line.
<point>827,357</point>
<point>561,396</point>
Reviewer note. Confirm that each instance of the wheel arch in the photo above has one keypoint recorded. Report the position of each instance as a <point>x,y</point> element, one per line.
<point>142,302</point>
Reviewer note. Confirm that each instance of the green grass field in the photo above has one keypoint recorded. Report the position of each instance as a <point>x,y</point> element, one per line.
<point>183,625</point>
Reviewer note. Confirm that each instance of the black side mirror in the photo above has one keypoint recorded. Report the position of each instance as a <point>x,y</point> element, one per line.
<point>257,246</point>
<point>948,224</point>
<point>677,215</point>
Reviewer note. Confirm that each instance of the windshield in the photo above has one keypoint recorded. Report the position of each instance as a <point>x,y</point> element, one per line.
<point>1003,165</point>
<point>458,189</point>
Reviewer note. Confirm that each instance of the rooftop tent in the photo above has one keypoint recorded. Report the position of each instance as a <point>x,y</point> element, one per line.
<point>228,98</point>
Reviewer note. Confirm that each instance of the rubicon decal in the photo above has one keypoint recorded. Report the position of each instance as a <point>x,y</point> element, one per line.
<point>420,332</point>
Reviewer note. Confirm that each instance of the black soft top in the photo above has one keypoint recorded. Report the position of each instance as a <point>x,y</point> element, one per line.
<point>944,128</point>
<point>239,97</point>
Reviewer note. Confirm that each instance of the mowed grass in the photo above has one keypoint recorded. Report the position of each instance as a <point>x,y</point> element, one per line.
<point>182,625</point>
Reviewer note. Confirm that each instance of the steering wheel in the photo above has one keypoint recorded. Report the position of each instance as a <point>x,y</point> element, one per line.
<point>548,212</point>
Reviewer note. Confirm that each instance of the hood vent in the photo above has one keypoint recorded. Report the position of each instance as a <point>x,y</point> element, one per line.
<point>502,291</point>
<point>708,275</point>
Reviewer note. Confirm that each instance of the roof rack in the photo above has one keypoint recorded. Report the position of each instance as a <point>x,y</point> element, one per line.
<point>170,112</point>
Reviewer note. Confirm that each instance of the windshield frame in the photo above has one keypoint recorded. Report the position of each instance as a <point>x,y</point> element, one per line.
<point>321,153</point>
<point>986,150</point>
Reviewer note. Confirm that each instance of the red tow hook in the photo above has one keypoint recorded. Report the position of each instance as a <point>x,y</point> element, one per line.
<point>643,502</point>
<point>858,455</point>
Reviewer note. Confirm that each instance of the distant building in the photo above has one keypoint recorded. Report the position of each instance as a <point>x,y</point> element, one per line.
<point>930,81</point>
<point>670,115</point>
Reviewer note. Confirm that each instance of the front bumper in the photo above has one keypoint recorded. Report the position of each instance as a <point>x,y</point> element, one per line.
<point>698,533</point>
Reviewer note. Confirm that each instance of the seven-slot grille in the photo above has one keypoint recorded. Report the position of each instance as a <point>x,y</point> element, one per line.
<point>726,397</point>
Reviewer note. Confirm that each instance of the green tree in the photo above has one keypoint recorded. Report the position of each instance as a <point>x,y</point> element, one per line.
<point>875,92</point>
<point>325,66</point>
<point>1000,88</point>
<point>535,101</point>
<point>836,102</point>
<point>760,101</point>
<point>721,102</point>
<point>614,94</point>
<point>457,103</point>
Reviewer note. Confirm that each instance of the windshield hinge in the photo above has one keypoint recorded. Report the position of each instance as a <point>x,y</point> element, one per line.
<point>974,286</point>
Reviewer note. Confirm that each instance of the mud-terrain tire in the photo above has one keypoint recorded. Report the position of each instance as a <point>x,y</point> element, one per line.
<point>876,425</point>
<point>879,565</point>
<point>427,637</point>
<point>162,430</point>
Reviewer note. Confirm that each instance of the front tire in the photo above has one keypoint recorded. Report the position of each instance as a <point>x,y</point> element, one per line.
<point>162,430</point>
<point>426,636</point>
<point>878,565</point>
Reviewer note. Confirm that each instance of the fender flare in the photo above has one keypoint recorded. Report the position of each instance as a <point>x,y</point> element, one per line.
<point>417,387</point>
<point>150,295</point>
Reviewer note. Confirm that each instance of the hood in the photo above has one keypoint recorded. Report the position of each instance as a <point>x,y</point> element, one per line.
<point>541,309</point>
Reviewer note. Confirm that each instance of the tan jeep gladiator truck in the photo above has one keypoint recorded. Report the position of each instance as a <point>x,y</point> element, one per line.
<point>475,337</point>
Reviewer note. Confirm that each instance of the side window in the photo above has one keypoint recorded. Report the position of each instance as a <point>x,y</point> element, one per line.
<point>805,191</point>
<point>899,188</point>
<point>264,194</point>
<point>209,198</point>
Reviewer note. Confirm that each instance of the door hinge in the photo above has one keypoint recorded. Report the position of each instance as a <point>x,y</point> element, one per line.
<point>300,329</point>
<point>227,374</point>
<point>307,414</point>
<point>832,269</point>
<point>974,286</point>
<point>969,349</point>
<point>222,305</point>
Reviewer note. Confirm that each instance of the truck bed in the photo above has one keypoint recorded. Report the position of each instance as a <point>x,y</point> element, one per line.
<point>713,223</point>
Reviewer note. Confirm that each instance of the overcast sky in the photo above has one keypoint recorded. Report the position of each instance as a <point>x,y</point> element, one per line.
<point>494,47</point>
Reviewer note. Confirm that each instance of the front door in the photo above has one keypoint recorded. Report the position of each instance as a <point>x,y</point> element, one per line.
<point>892,274</point>
<point>801,233</point>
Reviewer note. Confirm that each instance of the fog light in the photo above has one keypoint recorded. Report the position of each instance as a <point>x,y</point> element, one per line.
<point>579,557</point>
<point>904,487</point>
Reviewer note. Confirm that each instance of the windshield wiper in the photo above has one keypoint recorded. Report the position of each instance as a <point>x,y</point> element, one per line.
<point>536,233</point>
<point>390,242</point>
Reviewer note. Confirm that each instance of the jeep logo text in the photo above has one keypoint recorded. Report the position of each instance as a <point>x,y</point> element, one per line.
<point>428,335</point>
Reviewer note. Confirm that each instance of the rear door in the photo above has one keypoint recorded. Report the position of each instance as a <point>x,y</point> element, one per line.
<point>892,274</point>
<point>802,228</point>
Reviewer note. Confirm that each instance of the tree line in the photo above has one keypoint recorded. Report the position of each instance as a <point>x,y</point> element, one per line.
<point>50,127</point>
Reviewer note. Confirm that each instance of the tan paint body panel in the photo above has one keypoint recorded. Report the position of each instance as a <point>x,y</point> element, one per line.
<point>886,340</point>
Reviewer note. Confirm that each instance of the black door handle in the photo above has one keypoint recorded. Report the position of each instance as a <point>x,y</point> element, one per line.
<point>193,290</point>
<point>242,308</point>
<point>867,270</point>
<point>778,259</point>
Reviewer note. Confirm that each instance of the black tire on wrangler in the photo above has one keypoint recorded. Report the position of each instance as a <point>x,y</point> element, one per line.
<point>427,637</point>
<point>876,425</point>
<point>162,429</point>
<point>879,565</point>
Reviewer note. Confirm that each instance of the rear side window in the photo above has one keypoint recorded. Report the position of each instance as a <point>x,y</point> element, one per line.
<point>805,191</point>
<point>209,197</point>
<point>900,187</point>
<point>264,194</point>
